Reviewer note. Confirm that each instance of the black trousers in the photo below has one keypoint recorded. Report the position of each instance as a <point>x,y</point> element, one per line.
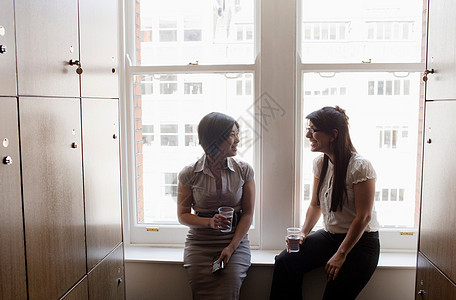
<point>317,249</point>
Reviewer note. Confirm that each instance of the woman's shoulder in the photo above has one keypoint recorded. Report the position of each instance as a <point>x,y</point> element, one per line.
<point>244,167</point>
<point>360,168</point>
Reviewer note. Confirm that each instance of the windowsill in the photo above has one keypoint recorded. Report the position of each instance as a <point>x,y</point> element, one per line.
<point>146,254</point>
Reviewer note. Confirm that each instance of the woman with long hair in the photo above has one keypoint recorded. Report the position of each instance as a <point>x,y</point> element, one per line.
<point>343,192</point>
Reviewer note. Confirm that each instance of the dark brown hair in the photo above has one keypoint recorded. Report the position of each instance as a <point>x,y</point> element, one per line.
<point>327,119</point>
<point>213,130</point>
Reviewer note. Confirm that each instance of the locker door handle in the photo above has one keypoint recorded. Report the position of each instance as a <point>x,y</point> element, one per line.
<point>76,63</point>
<point>2,49</point>
<point>7,160</point>
<point>425,74</point>
<point>74,145</point>
<point>421,292</point>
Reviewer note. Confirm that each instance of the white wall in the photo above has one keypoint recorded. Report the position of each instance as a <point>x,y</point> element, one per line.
<point>156,280</point>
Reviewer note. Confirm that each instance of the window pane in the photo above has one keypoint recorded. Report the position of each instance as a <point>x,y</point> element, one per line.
<point>372,31</point>
<point>175,118</point>
<point>210,32</point>
<point>376,124</point>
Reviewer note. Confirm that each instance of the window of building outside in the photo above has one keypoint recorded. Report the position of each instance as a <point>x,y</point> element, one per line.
<point>192,35</point>
<point>194,57</point>
<point>383,98</point>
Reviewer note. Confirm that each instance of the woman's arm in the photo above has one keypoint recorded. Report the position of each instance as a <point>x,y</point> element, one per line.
<point>313,212</point>
<point>364,201</point>
<point>248,204</point>
<point>184,212</point>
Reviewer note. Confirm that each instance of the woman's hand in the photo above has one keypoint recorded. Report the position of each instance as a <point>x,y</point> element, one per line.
<point>301,240</point>
<point>333,265</point>
<point>219,222</point>
<point>226,254</point>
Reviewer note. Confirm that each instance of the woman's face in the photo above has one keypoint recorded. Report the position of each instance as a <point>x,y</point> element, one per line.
<point>320,141</point>
<point>229,146</point>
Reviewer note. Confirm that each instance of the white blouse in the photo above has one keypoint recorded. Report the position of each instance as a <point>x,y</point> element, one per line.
<point>359,169</point>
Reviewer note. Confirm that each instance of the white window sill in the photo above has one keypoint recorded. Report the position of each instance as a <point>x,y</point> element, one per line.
<point>146,254</point>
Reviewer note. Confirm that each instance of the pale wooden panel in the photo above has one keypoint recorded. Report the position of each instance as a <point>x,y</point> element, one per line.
<point>8,57</point>
<point>12,255</point>
<point>101,177</point>
<point>53,197</point>
<point>441,52</point>
<point>106,280</point>
<point>47,39</point>
<point>431,284</point>
<point>99,48</point>
<point>437,234</point>
<point>78,292</point>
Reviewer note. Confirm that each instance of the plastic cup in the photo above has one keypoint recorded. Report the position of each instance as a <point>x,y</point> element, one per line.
<point>228,213</point>
<point>294,236</point>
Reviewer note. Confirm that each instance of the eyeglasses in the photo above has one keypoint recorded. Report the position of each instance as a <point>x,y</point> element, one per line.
<point>312,130</point>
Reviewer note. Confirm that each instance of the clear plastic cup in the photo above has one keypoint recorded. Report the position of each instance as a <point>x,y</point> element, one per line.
<point>294,236</point>
<point>228,213</point>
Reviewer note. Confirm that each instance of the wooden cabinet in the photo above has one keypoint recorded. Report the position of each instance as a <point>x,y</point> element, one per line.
<point>79,292</point>
<point>47,39</point>
<point>60,216</point>
<point>106,280</point>
<point>12,254</point>
<point>7,50</point>
<point>101,177</point>
<point>52,191</point>
<point>99,56</point>
<point>431,284</point>
<point>436,269</point>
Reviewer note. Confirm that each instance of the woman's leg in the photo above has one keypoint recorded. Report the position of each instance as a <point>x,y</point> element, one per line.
<point>357,269</point>
<point>289,268</point>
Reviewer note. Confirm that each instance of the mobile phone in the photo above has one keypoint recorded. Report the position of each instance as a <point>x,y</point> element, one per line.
<point>217,266</point>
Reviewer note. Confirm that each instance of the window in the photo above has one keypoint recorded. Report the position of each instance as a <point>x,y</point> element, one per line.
<point>169,135</point>
<point>168,29</point>
<point>147,84</point>
<point>192,29</point>
<point>204,57</point>
<point>191,135</point>
<point>148,134</point>
<point>372,97</point>
<point>192,69</point>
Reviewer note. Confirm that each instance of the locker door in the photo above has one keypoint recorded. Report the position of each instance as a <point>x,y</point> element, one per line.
<point>53,198</point>
<point>441,54</point>
<point>78,292</point>
<point>99,48</point>
<point>101,177</point>
<point>47,39</point>
<point>7,50</point>
<point>431,284</point>
<point>106,280</point>
<point>12,255</point>
<point>437,234</point>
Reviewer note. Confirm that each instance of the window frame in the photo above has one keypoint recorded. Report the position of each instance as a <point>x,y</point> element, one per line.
<point>279,215</point>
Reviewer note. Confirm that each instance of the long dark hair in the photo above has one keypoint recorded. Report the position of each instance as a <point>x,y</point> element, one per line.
<point>213,130</point>
<point>327,119</point>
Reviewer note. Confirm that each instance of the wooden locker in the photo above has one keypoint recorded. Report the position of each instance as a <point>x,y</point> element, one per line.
<point>100,121</point>
<point>431,284</point>
<point>438,204</point>
<point>441,54</point>
<point>79,292</point>
<point>53,196</point>
<point>7,50</point>
<point>12,254</point>
<point>47,39</point>
<point>99,48</point>
<point>106,280</point>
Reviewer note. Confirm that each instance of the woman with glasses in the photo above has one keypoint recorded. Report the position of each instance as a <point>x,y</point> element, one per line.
<point>343,192</point>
